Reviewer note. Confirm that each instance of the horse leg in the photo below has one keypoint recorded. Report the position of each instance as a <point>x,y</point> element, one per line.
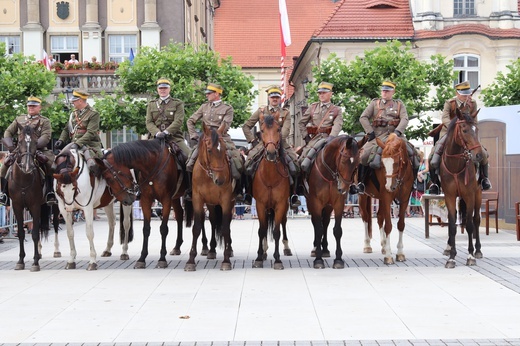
<point>317,252</point>
<point>126,216</point>
<point>35,213</point>
<point>400,256</point>
<point>227,215</point>
<point>20,265</point>
<point>71,263</point>
<point>89,227</point>
<point>452,232</point>
<point>212,252</point>
<point>325,219</point>
<point>262,235</point>
<point>365,204</point>
<point>286,249</point>
<point>476,226</point>
<point>205,250</point>
<point>146,207</point>
<point>278,265</point>
<point>111,216</point>
<point>56,224</point>
<point>338,233</point>
<point>166,207</point>
<point>179,217</point>
<point>384,219</point>
<point>198,220</point>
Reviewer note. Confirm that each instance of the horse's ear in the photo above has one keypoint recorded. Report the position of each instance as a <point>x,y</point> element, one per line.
<point>348,144</point>
<point>57,176</point>
<point>380,143</point>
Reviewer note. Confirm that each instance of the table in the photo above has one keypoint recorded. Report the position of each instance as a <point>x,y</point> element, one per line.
<point>426,198</point>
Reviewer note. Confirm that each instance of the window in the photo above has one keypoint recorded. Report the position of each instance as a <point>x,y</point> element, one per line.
<point>468,68</point>
<point>64,44</point>
<point>119,47</point>
<point>12,44</point>
<point>463,8</point>
<point>123,136</point>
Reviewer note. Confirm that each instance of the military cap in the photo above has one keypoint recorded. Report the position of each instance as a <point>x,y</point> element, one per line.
<point>213,88</point>
<point>163,83</point>
<point>325,87</point>
<point>388,85</point>
<point>79,94</point>
<point>274,91</point>
<point>33,101</point>
<point>463,88</point>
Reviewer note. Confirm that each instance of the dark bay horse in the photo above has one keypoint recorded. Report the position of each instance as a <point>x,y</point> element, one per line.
<point>271,190</point>
<point>462,151</point>
<point>78,189</point>
<point>26,181</point>
<point>148,168</point>
<point>212,185</point>
<point>393,181</point>
<point>329,181</point>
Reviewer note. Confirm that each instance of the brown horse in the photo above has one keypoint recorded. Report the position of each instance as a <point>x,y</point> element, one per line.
<point>159,178</point>
<point>393,181</point>
<point>329,180</point>
<point>462,151</point>
<point>271,189</point>
<point>212,185</point>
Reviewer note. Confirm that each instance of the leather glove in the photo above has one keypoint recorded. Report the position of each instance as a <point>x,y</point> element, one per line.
<point>160,135</point>
<point>307,139</point>
<point>398,133</point>
<point>41,143</point>
<point>254,142</point>
<point>194,142</point>
<point>371,136</point>
<point>58,144</point>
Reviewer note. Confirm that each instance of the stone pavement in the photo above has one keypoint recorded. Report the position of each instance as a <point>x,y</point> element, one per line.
<point>417,302</point>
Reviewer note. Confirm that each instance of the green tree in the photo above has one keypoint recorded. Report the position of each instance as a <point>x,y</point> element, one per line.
<point>189,69</point>
<point>505,90</point>
<point>359,81</point>
<point>21,77</point>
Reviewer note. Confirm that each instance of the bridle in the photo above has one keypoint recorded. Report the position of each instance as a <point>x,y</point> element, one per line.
<point>116,174</point>
<point>336,175</point>
<point>206,166</point>
<point>400,172</point>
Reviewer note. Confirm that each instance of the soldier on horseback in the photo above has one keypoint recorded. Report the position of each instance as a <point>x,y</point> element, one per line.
<point>42,127</point>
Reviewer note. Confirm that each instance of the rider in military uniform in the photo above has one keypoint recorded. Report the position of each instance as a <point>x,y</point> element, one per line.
<point>82,130</point>
<point>215,114</point>
<point>462,100</point>
<point>274,93</point>
<point>382,117</point>
<point>165,116</point>
<point>43,130</point>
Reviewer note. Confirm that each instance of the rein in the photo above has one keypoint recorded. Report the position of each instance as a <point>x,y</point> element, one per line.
<point>399,177</point>
<point>134,190</point>
<point>336,176</point>
<point>207,166</point>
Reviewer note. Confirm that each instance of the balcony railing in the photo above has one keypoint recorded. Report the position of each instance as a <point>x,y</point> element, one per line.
<point>93,81</point>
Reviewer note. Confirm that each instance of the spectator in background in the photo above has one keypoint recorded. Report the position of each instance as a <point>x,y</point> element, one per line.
<point>73,59</point>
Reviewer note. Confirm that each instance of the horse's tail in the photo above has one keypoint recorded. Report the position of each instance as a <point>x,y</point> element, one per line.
<point>218,225</point>
<point>56,217</point>
<point>270,223</point>
<point>122,231</point>
<point>45,214</point>
<point>188,208</point>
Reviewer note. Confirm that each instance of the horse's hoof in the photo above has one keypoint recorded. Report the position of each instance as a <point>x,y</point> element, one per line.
<point>450,264</point>
<point>19,266</point>
<point>92,266</point>
<point>400,257</point>
<point>287,252</point>
<point>313,253</point>
<point>338,264</point>
<point>367,249</point>
<point>124,257</point>
<point>35,268</point>
<point>471,262</point>
<point>190,267</point>
<point>204,252</point>
<point>106,254</point>
<point>57,254</point>
<point>446,252</point>
<point>139,265</point>
<point>212,255</point>
<point>175,252</point>
<point>278,266</point>
<point>325,254</point>
<point>225,266</point>
<point>318,264</point>
<point>478,255</point>
<point>258,264</point>
<point>162,264</point>
<point>70,265</point>
<point>388,260</point>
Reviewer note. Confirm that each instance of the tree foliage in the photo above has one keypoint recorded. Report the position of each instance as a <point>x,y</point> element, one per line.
<point>505,90</point>
<point>422,86</point>
<point>189,69</point>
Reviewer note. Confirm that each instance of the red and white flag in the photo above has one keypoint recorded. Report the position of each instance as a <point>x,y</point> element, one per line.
<point>46,62</point>
<point>285,41</point>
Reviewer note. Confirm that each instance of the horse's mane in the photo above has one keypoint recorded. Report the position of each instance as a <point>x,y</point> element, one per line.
<point>269,121</point>
<point>127,153</point>
<point>393,144</point>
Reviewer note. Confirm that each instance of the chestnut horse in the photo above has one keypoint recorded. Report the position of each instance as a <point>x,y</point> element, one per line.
<point>329,181</point>
<point>212,184</point>
<point>271,190</point>
<point>462,151</point>
<point>159,177</point>
<point>393,181</point>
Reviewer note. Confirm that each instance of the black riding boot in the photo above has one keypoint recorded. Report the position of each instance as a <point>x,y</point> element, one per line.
<point>50,197</point>
<point>435,186</point>
<point>295,199</point>
<point>362,172</point>
<point>484,180</point>
<point>187,193</point>
<point>248,188</point>
<point>4,197</point>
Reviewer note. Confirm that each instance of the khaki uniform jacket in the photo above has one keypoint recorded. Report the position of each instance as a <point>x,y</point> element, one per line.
<point>83,128</point>
<point>284,120</point>
<point>220,116</point>
<point>320,112</point>
<point>167,116</point>
<point>448,113</point>
<point>392,110</point>
<point>40,124</point>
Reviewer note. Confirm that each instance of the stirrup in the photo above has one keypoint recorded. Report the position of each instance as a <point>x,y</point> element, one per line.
<point>295,201</point>
<point>353,190</point>
<point>187,196</point>
<point>3,198</point>
<point>248,199</point>
<point>360,188</point>
<point>50,198</point>
<point>434,189</point>
<point>485,184</point>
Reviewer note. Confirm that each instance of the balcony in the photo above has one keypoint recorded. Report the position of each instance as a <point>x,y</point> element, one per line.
<point>93,81</point>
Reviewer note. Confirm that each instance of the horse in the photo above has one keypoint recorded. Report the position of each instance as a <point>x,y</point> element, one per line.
<point>271,190</point>
<point>77,188</point>
<point>213,185</point>
<point>393,181</point>
<point>329,181</point>
<point>462,152</point>
<point>26,182</point>
<point>159,178</point>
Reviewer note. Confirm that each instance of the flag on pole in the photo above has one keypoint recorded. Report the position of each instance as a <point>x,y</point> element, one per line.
<point>46,61</point>
<point>285,41</point>
<point>131,57</point>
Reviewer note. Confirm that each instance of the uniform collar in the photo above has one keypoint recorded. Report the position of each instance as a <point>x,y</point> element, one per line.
<point>216,103</point>
<point>273,108</point>
<point>32,117</point>
<point>166,99</point>
<point>325,104</point>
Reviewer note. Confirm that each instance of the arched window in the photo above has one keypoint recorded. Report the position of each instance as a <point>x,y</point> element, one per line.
<point>468,68</point>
